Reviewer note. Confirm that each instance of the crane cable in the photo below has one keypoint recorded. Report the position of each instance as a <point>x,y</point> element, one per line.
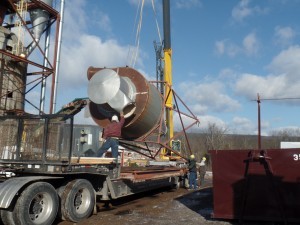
<point>157,27</point>
<point>129,49</point>
<point>138,31</point>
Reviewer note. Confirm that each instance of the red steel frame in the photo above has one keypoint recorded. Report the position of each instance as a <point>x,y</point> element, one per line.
<point>153,137</point>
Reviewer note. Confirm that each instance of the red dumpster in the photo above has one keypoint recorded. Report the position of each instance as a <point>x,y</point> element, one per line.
<point>261,185</point>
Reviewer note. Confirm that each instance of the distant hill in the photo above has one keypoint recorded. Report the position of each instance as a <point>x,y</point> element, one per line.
<point>200,143</point>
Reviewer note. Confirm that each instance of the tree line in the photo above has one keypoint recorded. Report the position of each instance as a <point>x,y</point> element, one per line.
<point>219,138</point>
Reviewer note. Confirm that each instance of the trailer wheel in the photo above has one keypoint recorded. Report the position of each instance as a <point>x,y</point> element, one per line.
<point>7,217</point>
<point>77,200</point>
<point>38,204</point>
<point>60,191</point>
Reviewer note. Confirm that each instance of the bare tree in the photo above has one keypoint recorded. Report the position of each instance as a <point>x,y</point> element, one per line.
<point>288,134</point>
<point>215,137</point>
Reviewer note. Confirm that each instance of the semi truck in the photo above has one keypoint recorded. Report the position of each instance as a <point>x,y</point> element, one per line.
<point>42,177</point>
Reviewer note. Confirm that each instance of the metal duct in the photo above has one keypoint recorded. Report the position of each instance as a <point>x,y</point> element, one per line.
<point>106,86</point>
<point>111,90</point>
<point>39,19</point>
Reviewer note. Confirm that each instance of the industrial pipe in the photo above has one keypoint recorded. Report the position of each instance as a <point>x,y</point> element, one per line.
<point>124,89</point>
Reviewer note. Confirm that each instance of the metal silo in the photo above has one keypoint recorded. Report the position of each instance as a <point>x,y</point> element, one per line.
<point>12,74</point>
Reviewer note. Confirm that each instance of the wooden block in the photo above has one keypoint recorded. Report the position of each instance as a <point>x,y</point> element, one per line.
<point>92,160</point>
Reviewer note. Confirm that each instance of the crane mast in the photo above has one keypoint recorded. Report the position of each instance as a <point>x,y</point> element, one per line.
<point>168,69</point>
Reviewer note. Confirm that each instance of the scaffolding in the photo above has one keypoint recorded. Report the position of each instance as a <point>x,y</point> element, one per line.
<point>22,8</point>
<point>15,58</point>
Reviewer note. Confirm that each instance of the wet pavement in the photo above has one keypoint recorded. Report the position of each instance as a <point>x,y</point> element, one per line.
<point>161,207</point>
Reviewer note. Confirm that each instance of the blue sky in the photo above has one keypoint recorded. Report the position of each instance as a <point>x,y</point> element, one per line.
<point>224,53</point>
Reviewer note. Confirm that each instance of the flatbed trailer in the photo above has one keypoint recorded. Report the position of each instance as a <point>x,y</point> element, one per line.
<point>41,178</point>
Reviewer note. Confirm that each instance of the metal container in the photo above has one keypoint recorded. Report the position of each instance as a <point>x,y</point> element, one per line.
<point>124,88</point>
<point>256,185</point>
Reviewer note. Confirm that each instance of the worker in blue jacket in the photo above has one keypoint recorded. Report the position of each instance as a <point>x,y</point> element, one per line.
<point>192,173</point>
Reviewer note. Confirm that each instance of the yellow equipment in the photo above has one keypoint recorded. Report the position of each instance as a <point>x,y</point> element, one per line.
<point>168,83</point>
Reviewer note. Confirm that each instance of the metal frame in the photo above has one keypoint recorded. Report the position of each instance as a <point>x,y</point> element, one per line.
<point>46,119</point>
<point>153,137</point>
<point>42,71</point>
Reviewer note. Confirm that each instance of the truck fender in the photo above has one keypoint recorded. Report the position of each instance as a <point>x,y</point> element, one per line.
<point>10,187</point>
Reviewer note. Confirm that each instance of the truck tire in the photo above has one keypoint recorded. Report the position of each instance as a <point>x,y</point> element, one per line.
<point>7,217</point>
<point>37,205</point>
<point>60,191</point>
<point>77,200</point>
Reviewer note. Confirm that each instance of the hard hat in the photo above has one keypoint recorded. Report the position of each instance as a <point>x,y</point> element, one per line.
<point>192,156</point>
<point>203,158</point>
<point>115,118</point>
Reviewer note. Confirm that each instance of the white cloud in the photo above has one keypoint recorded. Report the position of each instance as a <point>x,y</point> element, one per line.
<point>243,10</point>
<point>204,96</point>
<point>226,47</point>
<point>241,125</point>
<point>81,50</point>
<point>227,74</point>
<point>250,44</point>
<point>284,35</point>
<point>187,122</point>
<point>238,125</point>
<point>249,47</point>
<point>287,62</point>
<point>104,21</point>
<point>72,28</point>
<point>284,82</point>
<point>89,51</point>
<point>206,120</point>
<point>220,47</point>
<point>249,85</point>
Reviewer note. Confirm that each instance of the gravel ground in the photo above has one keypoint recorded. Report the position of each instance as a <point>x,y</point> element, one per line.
<point>174,207</point>
<point>161,207</point>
